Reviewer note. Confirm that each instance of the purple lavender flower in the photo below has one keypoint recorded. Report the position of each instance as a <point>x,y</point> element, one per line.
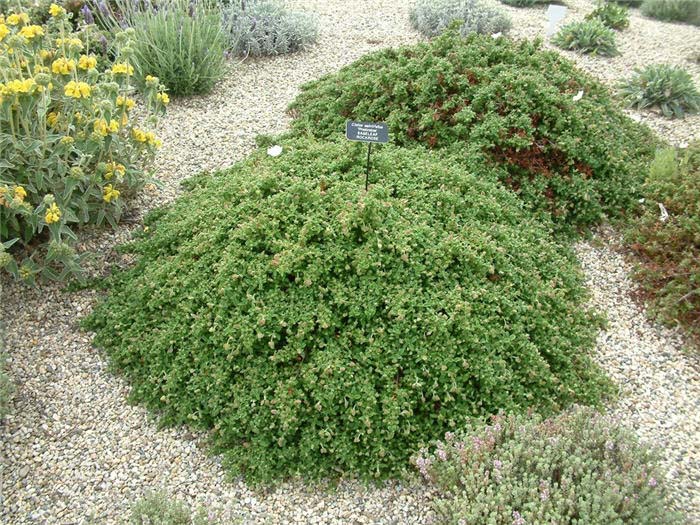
<point>652,482</point>
<point>517,518</point>
<point>497,464</point>
<point>87,14</point>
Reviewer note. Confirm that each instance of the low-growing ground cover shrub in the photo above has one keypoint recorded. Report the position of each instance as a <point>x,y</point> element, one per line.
<point>564,146</point>
<point>588,37</point>
<point>578,467</point>
<point>687,11</point>
<point>70,150</point>
<point>267,27</point>
<point>670,88</point>
<point>331,330</point>
<point>180,42</point>
<point>612,15</point>
<point>432,17</point>
<point>669,248</point>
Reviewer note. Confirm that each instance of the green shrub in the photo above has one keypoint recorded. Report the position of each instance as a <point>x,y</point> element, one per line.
<point>578,467</point>
<point>526,3</point>
<point>687,11</point>
<point>267,27</point>
<point>179,41</point>
<point>157,509</point>
<point>669,251</point>
<point>432,17</point>
<point>332,330</point>
<point>611,15</point>
<point>70,149</point>
<point>628,3</point>
<point>588,37</point>
<point>511,102</point>
<point>669,88</point>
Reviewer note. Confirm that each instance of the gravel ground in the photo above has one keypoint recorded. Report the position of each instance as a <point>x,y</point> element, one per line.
<point>73,450</point>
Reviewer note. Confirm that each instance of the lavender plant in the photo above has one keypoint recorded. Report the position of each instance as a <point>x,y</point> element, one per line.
<point>577,467</point>
<point>432,17</point>
<point>182,42</point>
<point>267,27</point>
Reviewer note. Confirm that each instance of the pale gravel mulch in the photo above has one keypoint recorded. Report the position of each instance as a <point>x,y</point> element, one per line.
<point>75,452</point>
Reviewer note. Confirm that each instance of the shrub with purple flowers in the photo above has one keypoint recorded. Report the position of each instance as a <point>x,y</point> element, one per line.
<point>577,467</point>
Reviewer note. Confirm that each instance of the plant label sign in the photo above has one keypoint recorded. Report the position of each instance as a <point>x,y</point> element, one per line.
<point>555,14</point>
<point>371,132</point>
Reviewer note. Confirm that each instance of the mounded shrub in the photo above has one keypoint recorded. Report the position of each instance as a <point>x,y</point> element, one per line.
<point>670,88</point>
<point>432,17</point>
<point>612,15</point>
<point>577,467</point>
<point>588,37</point>
<point>669,250</point>
<point>267,27</point>
<point>510,102</point>
<point>686,11</point>
<point>332,330</point>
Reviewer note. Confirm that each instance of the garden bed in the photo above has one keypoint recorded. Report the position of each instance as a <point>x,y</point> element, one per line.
<point>74,449</point>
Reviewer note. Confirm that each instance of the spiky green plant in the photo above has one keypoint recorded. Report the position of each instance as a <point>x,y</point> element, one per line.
<point>669,88</point>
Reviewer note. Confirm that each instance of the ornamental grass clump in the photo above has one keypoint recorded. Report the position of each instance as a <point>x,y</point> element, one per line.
<point>70,149</point>
<point>267,27</point>
<point>588,37</point>
<point>565,147</point>
<point>611,15</point>
<point>686,11</point>
<point>181,42</point>
<point>332,331</point>
<point>669,88</point>
<point>432,17</point>
<point>666,239</point>
<point>577,467</point>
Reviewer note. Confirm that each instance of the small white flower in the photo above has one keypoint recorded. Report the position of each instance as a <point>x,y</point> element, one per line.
<point>496,35</point>
<point>641,201</point>
<point>664,213</point>
<point>683,145</point>
<point>578,96</point>
<point>274,151</point>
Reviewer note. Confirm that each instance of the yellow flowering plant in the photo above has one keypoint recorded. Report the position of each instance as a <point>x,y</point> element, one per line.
<point>71,147</point>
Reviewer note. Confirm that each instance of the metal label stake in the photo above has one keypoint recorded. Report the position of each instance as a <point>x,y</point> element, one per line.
<point>369,132</point>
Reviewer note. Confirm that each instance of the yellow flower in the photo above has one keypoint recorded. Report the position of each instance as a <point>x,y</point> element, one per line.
<point>87,62</point>
<point>122,69</point>
<point>53,214</point>
<point>100,127</point>
<point>18,18</point>
<point>139,135</point>
<point>52,119</point>
<point>150,79</point>
<point>164,98</point>
<point>67,141</point>
<point>109,193</point>
<point>30,32</point>
<point>3,192</point>
<point>20,193</point>
<point>75,43</point>
<point>126,102</point>
<point>114,168</point>
<point>77,89</point>
<point>44,53</point>
<point>113,126</point>
<point>56,10</point>
<point>61,66</point>
<point>4,31</point>
<point>14,87</point>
